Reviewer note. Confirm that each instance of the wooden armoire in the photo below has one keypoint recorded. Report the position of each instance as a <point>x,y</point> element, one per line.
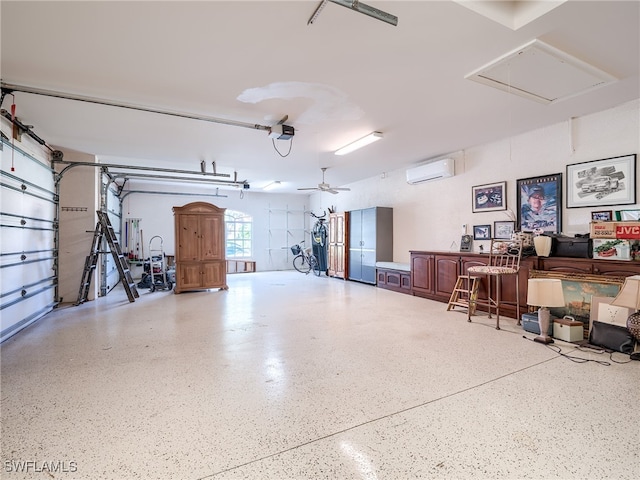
<point>200,247</point>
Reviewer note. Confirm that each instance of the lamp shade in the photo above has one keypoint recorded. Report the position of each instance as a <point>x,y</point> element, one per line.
<point>545,292</point>
<point>629,294</point>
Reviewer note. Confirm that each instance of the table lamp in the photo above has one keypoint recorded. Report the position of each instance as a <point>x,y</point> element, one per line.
<point>629,296</point>
<point>543,293</point>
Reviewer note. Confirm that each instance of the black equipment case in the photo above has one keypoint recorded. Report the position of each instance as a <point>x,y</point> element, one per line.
<point>576,247</point>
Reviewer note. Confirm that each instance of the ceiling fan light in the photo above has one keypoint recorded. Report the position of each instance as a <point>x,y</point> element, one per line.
<point>372,137</point>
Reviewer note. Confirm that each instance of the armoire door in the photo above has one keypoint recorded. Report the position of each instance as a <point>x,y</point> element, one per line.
<point>188,238</point>
<point>212,238</point>
<point>337,245</point>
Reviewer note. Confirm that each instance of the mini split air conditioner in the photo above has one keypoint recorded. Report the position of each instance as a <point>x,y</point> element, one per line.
<point>431,171</point>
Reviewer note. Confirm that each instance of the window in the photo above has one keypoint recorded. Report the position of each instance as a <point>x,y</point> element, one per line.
<point>239,228</point>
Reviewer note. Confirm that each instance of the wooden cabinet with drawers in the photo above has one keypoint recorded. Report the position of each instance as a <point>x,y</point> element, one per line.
<point>589,266</point>
<point>200,247</point>
<point>434,274</point>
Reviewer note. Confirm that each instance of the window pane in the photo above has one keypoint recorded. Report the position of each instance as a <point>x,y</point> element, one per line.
<point>238,234</point>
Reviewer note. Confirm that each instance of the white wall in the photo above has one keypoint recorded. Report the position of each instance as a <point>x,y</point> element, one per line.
<point>76,223</point>
<point>279,220</point>
<point>430,216</point>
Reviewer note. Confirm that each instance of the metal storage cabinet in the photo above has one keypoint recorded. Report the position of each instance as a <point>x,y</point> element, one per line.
<point>370,241</point>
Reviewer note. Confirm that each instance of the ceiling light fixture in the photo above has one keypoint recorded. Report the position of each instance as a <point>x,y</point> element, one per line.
<point>272,185</point>
<point>372,137</point>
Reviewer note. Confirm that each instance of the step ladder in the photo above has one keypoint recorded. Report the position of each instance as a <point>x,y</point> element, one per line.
<point>465,293</point>
<point>105,230</point>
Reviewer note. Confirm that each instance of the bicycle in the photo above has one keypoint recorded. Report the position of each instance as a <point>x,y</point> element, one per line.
<point>319,231</point>
<point>304,261</point>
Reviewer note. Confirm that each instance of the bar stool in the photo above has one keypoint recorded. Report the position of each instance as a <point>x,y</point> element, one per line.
<point>504,259</point>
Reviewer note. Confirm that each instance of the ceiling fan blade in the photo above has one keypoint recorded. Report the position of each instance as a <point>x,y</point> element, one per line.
<point>309,188</point>
<point>331,190</point>
<point>342,189</point>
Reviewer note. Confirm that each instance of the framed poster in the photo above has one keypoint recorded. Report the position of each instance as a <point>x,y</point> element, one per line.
<point>540,203</point>
<point>503,230</point>
<point>611,181</point>
<point>482,232</point>
<point>490,197</point>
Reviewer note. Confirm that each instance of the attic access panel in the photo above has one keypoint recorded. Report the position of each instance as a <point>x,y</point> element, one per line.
<point>542,73</point>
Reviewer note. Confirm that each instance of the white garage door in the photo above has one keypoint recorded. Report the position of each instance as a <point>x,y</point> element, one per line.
<point>27,230</point>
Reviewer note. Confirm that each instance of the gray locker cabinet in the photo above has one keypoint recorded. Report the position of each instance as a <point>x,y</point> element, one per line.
<point>370,241</point>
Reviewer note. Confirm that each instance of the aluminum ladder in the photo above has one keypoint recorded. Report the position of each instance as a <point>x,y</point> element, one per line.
<point>104,229</point>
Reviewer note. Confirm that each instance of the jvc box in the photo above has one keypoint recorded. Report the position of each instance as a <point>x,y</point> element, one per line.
<point>620,230</point>
<point>531,325</point>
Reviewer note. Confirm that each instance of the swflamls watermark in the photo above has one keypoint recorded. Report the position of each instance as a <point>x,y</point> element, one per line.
<point>36,466</point>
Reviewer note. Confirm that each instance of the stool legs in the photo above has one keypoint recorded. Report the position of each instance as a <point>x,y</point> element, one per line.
<point>497,302</point>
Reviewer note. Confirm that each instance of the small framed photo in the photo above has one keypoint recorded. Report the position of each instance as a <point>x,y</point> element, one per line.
<point>628,215</point>
<point>602,216</point>
<point>540,203</point>
<point>482,232</point>
<point>503,230</point>
<point>611,181</point>
<point>490,197</point>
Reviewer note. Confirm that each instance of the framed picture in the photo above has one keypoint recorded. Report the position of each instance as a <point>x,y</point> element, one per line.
<point>628,215</point>
<point>482,232</point>
<point>611,181</point>
<point>490,197</point>
<point>579,291</point>
<point>540,203</point>
<point>603,311</point>
<point>503,230</point>
<point>602,216</point>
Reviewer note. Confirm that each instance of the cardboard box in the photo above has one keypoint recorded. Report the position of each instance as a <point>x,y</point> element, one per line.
<point>530,323</point>
<point>619,230</point>
<point>615,249</point>
<point>603,230</point>
<point>568,330</point>
<point>628,230</point>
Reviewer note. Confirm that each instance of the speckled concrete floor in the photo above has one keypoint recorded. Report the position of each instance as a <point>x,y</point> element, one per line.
<point>287,376</point>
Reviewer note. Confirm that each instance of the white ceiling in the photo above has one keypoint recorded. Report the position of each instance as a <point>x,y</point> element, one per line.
<point>338,79</point>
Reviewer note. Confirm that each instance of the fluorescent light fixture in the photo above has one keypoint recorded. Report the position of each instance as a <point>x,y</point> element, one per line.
<point>272,185</point>
<point>372,137</point>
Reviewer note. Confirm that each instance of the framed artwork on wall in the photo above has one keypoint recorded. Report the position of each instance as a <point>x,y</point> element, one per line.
<point>490,197</point>
<point>540,203</point>
<point>482,232</point>
<point>611,181</point>
<point>602,216</point>
<point>628,215</point>
<point>503,230</point>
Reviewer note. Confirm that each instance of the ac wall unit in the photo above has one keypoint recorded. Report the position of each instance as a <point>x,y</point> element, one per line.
<point>431,171</point>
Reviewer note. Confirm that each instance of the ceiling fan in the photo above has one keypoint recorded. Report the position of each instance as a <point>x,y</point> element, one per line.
<point>325,187</point>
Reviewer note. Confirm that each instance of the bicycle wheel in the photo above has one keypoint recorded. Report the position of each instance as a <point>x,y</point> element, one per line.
<point>314,264</point>
<point>301,264</point>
